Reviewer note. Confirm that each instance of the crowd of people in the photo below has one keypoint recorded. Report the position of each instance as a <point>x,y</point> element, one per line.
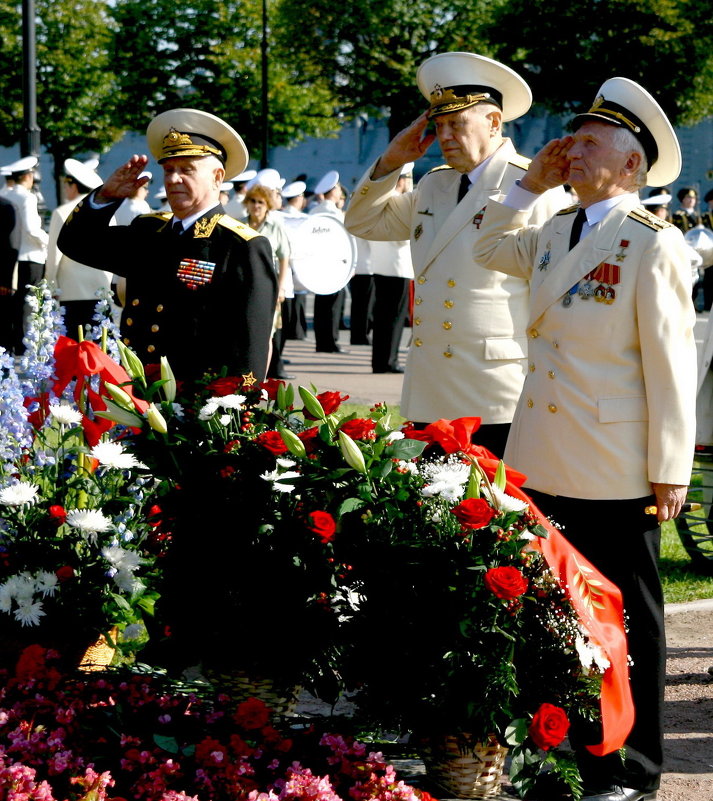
<point>564,321</point>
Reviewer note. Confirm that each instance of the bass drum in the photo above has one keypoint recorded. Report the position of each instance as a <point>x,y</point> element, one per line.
<point>323,254</point>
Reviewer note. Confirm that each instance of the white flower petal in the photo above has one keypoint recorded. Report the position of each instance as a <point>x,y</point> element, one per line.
<point>19,494</point>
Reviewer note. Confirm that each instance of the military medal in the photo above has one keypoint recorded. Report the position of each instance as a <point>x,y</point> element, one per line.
<point>623,245</point>
<point>194,273</point>
<point>418,230</point>
<point>608,275</point>
<point>479,218</point>
<point>567,299</point>
<point>544,262</point>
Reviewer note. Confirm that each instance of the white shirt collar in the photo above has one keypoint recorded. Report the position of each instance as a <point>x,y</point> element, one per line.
<point>598,211</point>
<point>187,222</point>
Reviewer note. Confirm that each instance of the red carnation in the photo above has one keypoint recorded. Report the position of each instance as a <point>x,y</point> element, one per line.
<point>474,513</point>
<point>323,524</point>
<point>360,428</point>
<point>549,726</point>
<point>330,402</point>
<point>505,582</point>
<point>225,386</point>
<point>64,573</point>
<point>272,441</point>
<point>58,514</point>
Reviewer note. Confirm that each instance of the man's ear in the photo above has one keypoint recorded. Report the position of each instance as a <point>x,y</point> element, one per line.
<point>633,162</point>
<point>496,121</point>
<point>219,176</point>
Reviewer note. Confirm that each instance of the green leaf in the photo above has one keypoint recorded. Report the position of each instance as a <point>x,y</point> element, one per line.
<point>516,732</point>
<point>169,744</point>
<point>406,449</point>
<point>384,468</point>
<point>350,505</point>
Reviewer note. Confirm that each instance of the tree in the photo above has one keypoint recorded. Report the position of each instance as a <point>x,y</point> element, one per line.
<point>369,50</point>
<point>207,55</point>
<point>566,49</point>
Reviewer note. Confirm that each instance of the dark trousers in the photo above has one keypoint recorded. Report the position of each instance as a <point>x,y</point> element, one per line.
<point>327,313</point>
<point>390,311</point>
<point>294,317</point>
<point>28,272</point>
<point>623,542</point>
<point>77,313</point>
<point>361,288</point>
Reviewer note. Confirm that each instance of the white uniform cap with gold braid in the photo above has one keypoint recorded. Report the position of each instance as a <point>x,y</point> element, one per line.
<point>622,102</point>
<point>455,81</point>
<point>190,132</point>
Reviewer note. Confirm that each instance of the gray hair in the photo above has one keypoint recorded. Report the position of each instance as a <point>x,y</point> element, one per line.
<point>625,142</point>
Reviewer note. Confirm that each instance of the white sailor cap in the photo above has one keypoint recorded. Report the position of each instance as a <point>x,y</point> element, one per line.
<point>226,186</point>
<point>656,200</point>
<point>244,177</point>
<point>268,178</point>
<point>294,189</point>
<point>327,182</point>
<point>79,171</point>
<point>24,164</point>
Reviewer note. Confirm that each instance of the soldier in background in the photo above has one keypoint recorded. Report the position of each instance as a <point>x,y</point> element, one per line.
<point>8,259</point>
<point>687,216</point>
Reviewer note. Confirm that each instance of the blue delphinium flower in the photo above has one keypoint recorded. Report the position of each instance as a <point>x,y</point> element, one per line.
<point>104,321</point>
<point>15,429</point>
<point>36,365</point>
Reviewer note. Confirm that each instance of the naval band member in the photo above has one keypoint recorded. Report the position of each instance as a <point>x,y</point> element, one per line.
<point>201,287</point>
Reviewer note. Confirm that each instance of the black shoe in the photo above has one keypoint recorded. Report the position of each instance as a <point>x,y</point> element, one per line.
<point>335,349</point>
<point>286,361</point>
<point>618,793</point>
<point>389,370</point>
<point>283,376</point>
<point>359,342</point>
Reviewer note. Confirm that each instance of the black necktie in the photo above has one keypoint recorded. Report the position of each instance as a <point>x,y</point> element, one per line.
<point>177,228</point>
<point>576,232</point>
<point>464,186</point>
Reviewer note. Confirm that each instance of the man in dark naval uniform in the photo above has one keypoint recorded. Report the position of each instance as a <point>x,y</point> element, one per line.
<point>201,286</point>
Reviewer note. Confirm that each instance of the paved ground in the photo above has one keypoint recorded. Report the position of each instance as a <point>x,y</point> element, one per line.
<point>689,693</point>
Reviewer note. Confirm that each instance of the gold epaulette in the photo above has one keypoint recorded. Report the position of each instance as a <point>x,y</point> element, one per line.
<point>650,220</point>
<point>568,210</point>
<point>520,161</point>
<point>441,167</point>
<point>161,215</point>
<point>242,230</point>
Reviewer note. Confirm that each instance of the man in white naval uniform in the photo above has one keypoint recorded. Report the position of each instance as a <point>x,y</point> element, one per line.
<point>469,345</point>
<point>606,421</point>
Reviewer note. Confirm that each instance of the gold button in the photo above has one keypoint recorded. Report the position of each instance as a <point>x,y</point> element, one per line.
<point>417,321</point>
<point>418,342</point>
<point>135,302</point>
<point>154,328</point>
<point>151,348</point>
<point>552,408</point>
<point>534,333</point>
<point>418,301</point>
<point>421,279</point>
<point>531,367</point>
<point>451,282</point>
<point>364,190</point>
<point>129,321</point>
<point>551,373</point>
<point>447,324</point>
<point>448,304</point>
<point>530,403</point>
<point>159,308</point>
<point>448,354</point>
<point>126,341</point>
<point>555,344</point>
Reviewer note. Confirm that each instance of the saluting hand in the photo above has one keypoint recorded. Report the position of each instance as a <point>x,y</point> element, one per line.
<point>124,181</point>
<point>550,167</point>
<point>408,145</point>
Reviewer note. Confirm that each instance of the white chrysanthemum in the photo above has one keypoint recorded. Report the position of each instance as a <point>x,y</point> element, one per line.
<point>446,479</point>
<point>225,419</point>
<point>112,454</point>
<point>277,478</point>
<point>89,521</point>
<point>46,583</point>
<point>507,503</point>
<point>232,401</point>
<point>19,494</point>
<point>591,655</point>
<point>5,598</point>
<point>29,614</point>
<point>209,409</point>
<point>285,463</point>
<point>120,558</point>
<point>392,436</point>
<point>20,587</point>
<point>65,414</point>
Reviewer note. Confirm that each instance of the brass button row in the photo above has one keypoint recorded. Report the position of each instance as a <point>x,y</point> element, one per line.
<point>551,407</point>
<point>137,302</point>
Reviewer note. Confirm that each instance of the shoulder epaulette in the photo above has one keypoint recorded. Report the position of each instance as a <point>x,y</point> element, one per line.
<point>520,161</point>
<point>568,210</point>
<point>650,220</point>
<point>161,215</point>
<point>438,169</point>
<point>237,227</point>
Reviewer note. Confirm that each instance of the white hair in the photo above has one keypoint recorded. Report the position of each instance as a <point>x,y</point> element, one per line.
<point>625,142</point>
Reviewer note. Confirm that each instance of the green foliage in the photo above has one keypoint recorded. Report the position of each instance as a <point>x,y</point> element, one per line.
<point>566,50</point>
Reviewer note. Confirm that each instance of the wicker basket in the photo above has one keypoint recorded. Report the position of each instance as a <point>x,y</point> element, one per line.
<point>240,686</point>
<point>463,769</point>
<point>99,654</point>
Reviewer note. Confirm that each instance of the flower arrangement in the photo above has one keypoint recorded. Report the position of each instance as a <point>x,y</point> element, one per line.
<point>78,550</point>
<point>125,735</point>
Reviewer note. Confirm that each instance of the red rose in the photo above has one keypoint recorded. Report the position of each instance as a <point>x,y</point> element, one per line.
<point>252,714</point>
<point>58,514</point>
<point>64,573</point>
<point>272,441</point>
<point>474,512</point>
<point>549,726</point>
<point>360,428</point>
<point>323,524</point>
<point>309,438</point>
<point>505,582</point>
<point>225,386</point>
<point>330,402</point>
<point>271,386</point>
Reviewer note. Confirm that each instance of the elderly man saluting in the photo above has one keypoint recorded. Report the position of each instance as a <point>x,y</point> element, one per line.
<point>469,345</point>
<point>201,287</point>
<point>605,425</point>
